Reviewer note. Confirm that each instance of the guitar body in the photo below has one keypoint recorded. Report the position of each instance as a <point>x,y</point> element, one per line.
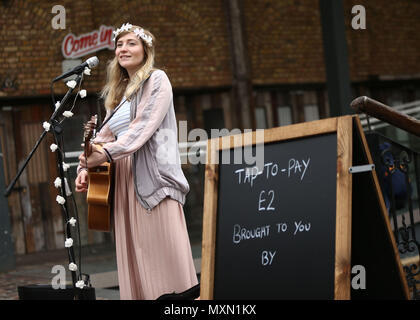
<point>99,197</point>
<point>100,187</point>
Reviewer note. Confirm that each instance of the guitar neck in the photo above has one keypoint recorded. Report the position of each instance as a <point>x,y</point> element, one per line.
<point>87,150</point>
<point>89,132</point>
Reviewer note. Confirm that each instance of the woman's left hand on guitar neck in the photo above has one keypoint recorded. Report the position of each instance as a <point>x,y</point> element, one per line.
<point>96,158</point>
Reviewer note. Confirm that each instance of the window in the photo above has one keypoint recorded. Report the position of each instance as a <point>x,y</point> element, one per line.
<point>311,112</point>
<point>284,115</point>
<point>310,106</point>
<point>260,118</point>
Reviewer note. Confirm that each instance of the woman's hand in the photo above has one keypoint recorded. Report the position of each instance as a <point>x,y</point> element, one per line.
<point>82,181</point>
<point>95,159</point>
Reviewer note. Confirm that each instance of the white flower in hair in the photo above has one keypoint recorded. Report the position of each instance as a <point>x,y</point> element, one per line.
<point>68,114</point>
<point>68,243</point>
<point>60,200</point>
<point>126,27</point>
<point>116,33</point>
<point>82,93</point>
<point>72,266</point>
<point>53,147</point>
<point>71,84</point>
<point>46,126</point>
<point>140,34</point>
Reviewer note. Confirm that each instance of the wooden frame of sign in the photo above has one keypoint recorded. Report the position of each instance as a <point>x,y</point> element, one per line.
<point>345,128</point>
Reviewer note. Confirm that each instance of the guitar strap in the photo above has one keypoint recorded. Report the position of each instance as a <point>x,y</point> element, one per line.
<point>119,106</point>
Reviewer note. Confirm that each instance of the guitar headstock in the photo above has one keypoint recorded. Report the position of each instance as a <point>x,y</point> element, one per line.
<point>89,129</point>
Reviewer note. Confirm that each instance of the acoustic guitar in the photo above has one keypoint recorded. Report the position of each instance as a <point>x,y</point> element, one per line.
<point>100,189</point>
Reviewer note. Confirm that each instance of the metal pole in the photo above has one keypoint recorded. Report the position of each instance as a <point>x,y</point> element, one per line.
<point>336,57</point>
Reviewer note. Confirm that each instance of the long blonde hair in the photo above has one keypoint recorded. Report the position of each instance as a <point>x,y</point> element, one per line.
<point>118,82</point>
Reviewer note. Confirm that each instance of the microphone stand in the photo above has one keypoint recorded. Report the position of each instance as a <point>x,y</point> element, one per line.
<point>57,131</point>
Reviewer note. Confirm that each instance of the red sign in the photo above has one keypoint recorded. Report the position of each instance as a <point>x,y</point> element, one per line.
<point>79,46</point>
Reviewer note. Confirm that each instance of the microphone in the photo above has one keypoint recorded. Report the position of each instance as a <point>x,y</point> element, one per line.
<point>90,63</point>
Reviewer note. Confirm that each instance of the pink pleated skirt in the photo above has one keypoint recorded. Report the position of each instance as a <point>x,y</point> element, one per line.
<point>153,249</point>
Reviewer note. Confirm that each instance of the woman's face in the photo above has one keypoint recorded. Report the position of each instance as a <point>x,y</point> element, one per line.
<point>129,52</point>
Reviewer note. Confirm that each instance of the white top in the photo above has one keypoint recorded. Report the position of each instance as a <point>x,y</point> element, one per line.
<point>120,120</point>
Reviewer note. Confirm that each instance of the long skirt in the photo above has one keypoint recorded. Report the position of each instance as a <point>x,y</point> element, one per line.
<point>153,249</point>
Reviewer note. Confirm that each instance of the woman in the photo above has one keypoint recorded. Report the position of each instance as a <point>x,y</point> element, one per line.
<point>153,249</point>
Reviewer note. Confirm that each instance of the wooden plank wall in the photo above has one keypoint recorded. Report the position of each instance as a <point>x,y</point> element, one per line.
<point>36,218</point>
<point>10,167</point>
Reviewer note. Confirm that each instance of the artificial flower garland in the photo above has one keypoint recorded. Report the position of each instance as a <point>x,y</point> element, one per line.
<point>58,182</point>
<point>139,32</point>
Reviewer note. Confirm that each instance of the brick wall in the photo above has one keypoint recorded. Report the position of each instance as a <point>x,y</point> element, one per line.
<point>191,44</point>
<point>284,40</point>
<point>389,46</point>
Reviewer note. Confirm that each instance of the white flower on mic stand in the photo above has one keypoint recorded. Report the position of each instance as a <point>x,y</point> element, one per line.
<point>80,284</point>
<point>68,114</point>
<point>57,105</point>
<point>53,147</point>
<point>57,182</point>
<point>68,243</point>
<point>68,190</point>
<point>72,266</point>
<point>72,222</point>
<point>65,166</point>
<point>60,200</point>
<point>71,84</point>
<point>46,126</point>
<point>82,93</point>
<point>86,71</point>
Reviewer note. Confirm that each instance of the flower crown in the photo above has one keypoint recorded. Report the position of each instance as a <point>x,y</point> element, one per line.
<point>139,32</point>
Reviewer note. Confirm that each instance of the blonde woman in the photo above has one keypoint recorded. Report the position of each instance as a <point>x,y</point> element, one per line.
<point>153,249</point>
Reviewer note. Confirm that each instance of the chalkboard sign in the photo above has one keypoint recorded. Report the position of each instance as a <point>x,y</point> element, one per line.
<point>278,223</point>
<point>281,229</point>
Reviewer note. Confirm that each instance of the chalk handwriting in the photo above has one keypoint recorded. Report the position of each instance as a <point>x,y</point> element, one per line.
<point>301,228</point>
<point>248,175</point>
<point>267,257</point>
<point>295,166</point>
<point>240,234</point>
<point>262,199</point>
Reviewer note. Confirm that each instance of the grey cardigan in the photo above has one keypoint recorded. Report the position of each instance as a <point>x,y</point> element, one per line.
<point>151,141</point>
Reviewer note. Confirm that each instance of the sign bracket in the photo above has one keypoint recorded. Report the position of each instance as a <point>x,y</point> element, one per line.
<point>363,168</point>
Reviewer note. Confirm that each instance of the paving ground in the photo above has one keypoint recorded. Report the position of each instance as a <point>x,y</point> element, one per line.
<point>97,261</point>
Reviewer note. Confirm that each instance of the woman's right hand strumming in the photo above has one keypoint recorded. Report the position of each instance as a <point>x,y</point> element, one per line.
<point>82,181</point>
